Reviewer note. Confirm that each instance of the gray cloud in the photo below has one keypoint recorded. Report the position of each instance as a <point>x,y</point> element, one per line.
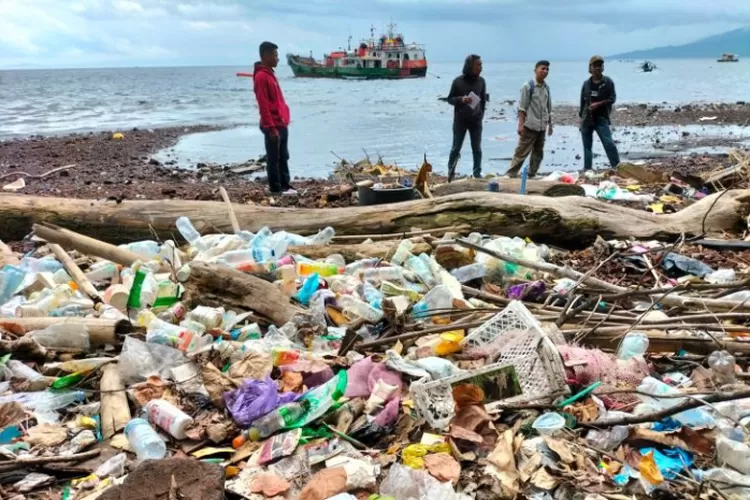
<point>172,32</point>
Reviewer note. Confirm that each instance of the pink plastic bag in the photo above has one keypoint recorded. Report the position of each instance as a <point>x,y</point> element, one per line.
<point>364,374</point>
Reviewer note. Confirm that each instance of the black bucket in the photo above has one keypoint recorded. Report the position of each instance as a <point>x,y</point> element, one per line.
<point>369,196</point>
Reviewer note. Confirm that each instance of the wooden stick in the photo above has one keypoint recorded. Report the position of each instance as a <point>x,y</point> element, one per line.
<point>75,272</point>
<point>668,412</point>
<point>87,246</point>
<point>40,176</point>
<point>232,216</point>
<point>115,411</point>
<point>397,236</point>
<point>421,333</point>
<point>566,272</point>
<point>101,331</point>
<point>23,462</point>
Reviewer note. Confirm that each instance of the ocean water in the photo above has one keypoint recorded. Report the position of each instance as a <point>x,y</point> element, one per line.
<point>400,120</point>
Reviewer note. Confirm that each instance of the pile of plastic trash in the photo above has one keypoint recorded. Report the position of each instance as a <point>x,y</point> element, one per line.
<point>437,372</point>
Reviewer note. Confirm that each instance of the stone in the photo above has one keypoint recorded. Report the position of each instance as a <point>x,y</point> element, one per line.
<point>152,480</point>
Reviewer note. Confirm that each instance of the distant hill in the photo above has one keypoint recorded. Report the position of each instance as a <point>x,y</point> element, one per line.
<point>735,42</point>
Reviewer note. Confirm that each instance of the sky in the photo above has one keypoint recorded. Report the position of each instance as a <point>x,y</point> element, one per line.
<point>124,33</point>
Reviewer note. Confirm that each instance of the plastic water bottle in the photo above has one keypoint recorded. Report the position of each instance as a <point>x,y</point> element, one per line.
<point>722,367</point>
<point>355,308</point>
<point>72,310</point>
<point>470,272</point>
<point>372,295</point>
<point>402,253</point>
<point>360,265</point>
<point>418,267</point>
<point>524,178</point>
<point>188,231</point>
<point>146,249</point>
<point>144,440</point>
<point>209,317</point>
<point>45,265</point>
<point>437,298</point>
<point>63,336</point>
<point>12,279</point>
<point>275,421</point>
<point>390,273</point>
<point>164,414</point>
<point>259,238</point>
<point>169,254</point>
<point>634,344</point>
<point>323,237</point>
<point>103,270</point>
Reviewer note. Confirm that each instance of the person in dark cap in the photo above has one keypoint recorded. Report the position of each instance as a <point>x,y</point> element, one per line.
<point>597,97</point>
<point>468,96</point>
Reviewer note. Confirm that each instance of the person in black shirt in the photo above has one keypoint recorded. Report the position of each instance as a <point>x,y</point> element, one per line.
<point>468,113</point>
<point>597,97</point>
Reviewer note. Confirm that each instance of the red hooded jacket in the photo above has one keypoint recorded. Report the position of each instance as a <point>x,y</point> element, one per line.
<point>273,109</point>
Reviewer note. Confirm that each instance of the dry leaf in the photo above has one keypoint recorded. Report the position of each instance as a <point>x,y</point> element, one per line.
<point>269,484</point>
<point>254,365</point>
<point>543,480</point>
<point>443,467</point>
<point>502,463</point>
<point>46,435</point>
<point>11,414</point>
<point>562,448</point>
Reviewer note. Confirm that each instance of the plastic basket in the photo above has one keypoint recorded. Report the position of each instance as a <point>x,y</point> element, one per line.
<point>511,338</point>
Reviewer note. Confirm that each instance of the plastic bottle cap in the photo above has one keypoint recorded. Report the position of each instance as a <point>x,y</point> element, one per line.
<point>73,285</point>
<point>238,441</point>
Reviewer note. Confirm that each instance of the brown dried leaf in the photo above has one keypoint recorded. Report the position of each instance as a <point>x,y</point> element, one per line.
<point>562,448</point>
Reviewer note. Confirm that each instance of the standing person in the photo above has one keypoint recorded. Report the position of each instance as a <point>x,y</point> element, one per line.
<point>534,121</point>
<point>274,119</point>
<point>468,95</point>
<point>597,97</point>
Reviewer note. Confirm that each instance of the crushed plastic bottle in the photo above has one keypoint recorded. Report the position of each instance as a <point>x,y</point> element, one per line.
<point>355,308</point>
<point>43,265</point>
<point>63,336</point>
<point>418,267</point>
<point>389,273</point>
<point>633,344</point>
<point>470,272</point>
<point>309,287</point>
<point>722,366</point>
<point>12,277</point>
<point>43,401</point>
<point>144,440</point>
<point>436,299</point>
<point>402,253</point>
<point>103,270</point>
<point>188,231</point>
<point>146,249</point>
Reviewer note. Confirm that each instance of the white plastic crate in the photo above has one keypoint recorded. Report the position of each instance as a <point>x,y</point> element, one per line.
<point>511,338</point>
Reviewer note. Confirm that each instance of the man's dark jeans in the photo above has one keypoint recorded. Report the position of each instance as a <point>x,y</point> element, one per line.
<point>601,126</point>
<point>459,134</point>
<point>277,159</point>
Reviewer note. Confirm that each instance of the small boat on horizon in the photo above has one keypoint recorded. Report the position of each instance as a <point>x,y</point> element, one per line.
<point>727,57</point>
<point>388,57</point>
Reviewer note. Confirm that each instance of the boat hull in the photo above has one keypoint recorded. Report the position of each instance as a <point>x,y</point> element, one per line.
<point>320,71</point>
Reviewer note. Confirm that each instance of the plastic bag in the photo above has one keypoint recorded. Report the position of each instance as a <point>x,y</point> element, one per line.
<point>254,399</point>
<point>405,483</point>
<point>140,360</point>
<point>364,374</point>
<point>675,262</point>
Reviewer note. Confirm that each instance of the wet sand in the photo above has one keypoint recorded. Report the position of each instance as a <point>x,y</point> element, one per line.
<point>125,169</point>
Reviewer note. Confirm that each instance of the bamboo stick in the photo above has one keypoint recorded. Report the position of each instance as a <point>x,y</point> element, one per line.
<point>75,272</point>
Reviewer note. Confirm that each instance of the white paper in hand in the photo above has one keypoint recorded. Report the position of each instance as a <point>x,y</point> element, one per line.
<point>474,100</point>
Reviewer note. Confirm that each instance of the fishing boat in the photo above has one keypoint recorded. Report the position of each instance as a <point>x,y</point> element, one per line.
<point>727,57</point>
<point>388,57</point>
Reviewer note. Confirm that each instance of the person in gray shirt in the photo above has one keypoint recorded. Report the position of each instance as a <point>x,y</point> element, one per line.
<point>534,121</point>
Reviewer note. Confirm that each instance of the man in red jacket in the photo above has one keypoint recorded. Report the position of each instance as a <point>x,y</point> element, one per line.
<point>274,119</point>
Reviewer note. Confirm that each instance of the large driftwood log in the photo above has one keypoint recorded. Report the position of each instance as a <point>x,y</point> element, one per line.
<point>506,185</point>
<point>570,221</point>
<point>220,286</point>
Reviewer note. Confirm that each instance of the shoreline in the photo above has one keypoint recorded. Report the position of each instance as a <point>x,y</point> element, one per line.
<point>119,170</point>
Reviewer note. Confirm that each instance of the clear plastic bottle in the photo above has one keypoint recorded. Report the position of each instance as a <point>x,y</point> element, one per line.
<point>355,308</point>
<point>722,367</point>
<point>402,253</point>
<point>418,267</point>
<point>170,254</point>
<point>72,310</point>
<point>164,414</point>
<point>389,273</point>
<point>174,314</point>
<point>103,270</point>
<point>146,249</point>
<point>63,336</point>
<point>633,344</point>
<point>12,278</point>
<point>144,440</point>
<point>372,295</point>
<point>273,422</point>
<point>107,311</point>
<point>188,231</point>
<point>470,272</point>
<point>360,265</point>
<point>437,298</point>
<point>324,236</point>
<point>45,400</point>
<point>44,265</point>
